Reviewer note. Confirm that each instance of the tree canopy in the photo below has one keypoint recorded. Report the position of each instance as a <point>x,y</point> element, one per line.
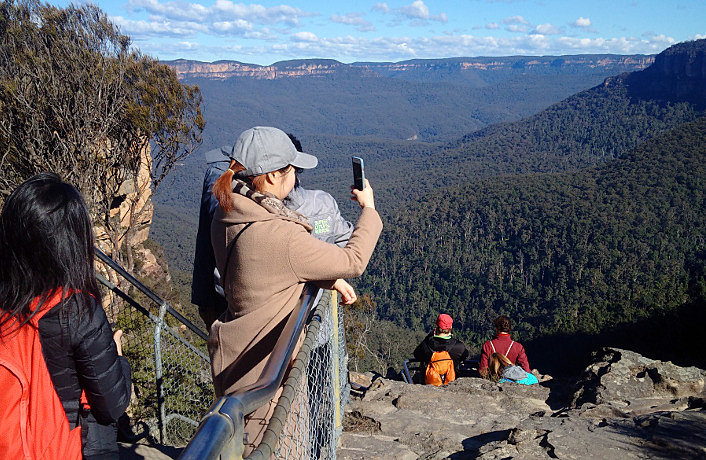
<point>76,99</point>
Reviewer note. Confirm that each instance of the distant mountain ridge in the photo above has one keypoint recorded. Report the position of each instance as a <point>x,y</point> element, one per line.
<point>418,68</point>
<point>221,70</point>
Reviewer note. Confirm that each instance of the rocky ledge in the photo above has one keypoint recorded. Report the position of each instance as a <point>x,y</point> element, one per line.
<point>623,406</point>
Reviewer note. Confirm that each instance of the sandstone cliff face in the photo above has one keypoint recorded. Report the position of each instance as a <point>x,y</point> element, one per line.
<point>227,69</point>
<point>133,195</point>
<point>623,406</point>
<point>221,70</point>
<point>490,64</point>
<point>678,74</point>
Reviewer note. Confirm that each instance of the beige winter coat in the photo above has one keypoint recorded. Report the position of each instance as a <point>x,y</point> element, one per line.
<point>270,262</point>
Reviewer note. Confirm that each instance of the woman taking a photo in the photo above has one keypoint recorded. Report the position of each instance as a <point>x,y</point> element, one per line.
<point>47,272</point>
<point>266,254</point>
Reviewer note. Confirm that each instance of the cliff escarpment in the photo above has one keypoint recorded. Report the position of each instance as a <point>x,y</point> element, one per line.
<point>418,69</point>
<point>677,75</point>
<point>221,70</point>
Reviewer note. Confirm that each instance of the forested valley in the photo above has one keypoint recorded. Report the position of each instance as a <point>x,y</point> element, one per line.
<point>580,221</point>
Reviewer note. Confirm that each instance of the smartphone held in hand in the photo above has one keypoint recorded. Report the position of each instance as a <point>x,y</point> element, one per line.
<point>358,173</point>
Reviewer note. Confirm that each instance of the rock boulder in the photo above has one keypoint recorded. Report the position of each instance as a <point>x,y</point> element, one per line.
<point>623,406</point>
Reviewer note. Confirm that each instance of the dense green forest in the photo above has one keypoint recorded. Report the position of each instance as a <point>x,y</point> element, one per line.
<point>572,252</point>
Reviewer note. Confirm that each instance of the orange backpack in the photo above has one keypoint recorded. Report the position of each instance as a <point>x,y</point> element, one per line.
<point>32,420</point>
<point>440,370</point>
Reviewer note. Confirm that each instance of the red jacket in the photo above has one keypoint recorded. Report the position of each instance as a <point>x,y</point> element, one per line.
<point>501,342</point>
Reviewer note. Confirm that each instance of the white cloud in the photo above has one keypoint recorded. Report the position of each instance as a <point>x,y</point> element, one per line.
<point>188,46</point>
<point>258,13</point>
<point>517,28</point>
<point>515,20</point>
<point>620,45</point>
<point>582,22</point>
<point>699,36</point>
<point>354,19</point>
<point>233,26</point>
<point>492,26</point>
<point>157,28</point>
<point>172,10</point>
<point>220,11</point>
<point>417,11</point>
<point>305,37</point>
<point>546,29</point>
<point>382,7</point>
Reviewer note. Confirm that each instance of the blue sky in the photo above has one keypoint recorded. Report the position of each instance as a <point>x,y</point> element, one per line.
<point>265,32</point>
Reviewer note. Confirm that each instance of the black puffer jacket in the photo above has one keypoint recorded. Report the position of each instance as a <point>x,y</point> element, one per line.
<point>430,344</point>
<point>80,353</point>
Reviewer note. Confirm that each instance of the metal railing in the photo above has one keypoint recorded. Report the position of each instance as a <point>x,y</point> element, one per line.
<point>306,422</point>
<point>167,353</point>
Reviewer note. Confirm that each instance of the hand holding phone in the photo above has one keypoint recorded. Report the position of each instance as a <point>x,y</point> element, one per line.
<point>358,173</point>
<point>361,191</point>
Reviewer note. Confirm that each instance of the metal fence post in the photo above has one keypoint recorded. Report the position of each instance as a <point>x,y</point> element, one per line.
<point>158,371</point>
<point>335,353</point>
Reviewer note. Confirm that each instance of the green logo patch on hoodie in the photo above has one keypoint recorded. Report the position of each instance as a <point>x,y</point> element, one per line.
<point>322,226</point>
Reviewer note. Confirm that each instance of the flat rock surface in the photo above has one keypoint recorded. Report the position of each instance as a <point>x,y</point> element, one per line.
<point>623,406</point>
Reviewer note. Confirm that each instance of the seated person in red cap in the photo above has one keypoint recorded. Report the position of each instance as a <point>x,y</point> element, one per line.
<point>502,343</point>
<point>441,353</point>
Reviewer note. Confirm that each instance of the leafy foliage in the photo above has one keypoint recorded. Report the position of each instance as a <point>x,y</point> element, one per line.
<point>75,99</point>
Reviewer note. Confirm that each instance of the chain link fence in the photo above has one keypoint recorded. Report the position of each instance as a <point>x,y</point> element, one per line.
<point>307,420</point>
<point>312,399</point>
<point>171,372</point>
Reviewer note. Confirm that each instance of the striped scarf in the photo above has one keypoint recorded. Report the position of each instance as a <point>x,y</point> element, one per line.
<point>270,202</point>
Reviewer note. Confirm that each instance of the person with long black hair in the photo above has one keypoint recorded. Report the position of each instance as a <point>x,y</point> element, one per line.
<point>46,257</point>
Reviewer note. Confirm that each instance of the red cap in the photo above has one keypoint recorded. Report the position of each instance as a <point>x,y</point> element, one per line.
<point>444,321</point>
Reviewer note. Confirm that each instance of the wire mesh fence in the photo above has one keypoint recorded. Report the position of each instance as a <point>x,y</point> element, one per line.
<point>312,399</point>
<point>171,374</point>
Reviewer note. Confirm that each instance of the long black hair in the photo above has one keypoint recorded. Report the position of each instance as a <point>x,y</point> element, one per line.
<point>46,242</point>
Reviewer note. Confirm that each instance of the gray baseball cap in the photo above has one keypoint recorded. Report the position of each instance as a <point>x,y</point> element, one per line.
<point>264,149</point>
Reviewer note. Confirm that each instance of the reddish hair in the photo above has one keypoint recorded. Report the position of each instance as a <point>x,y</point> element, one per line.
<point>222,187</point>
<point>496,363</point>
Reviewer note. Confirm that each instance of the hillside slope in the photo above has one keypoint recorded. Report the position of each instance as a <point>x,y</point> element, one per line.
<point>557,252</point>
